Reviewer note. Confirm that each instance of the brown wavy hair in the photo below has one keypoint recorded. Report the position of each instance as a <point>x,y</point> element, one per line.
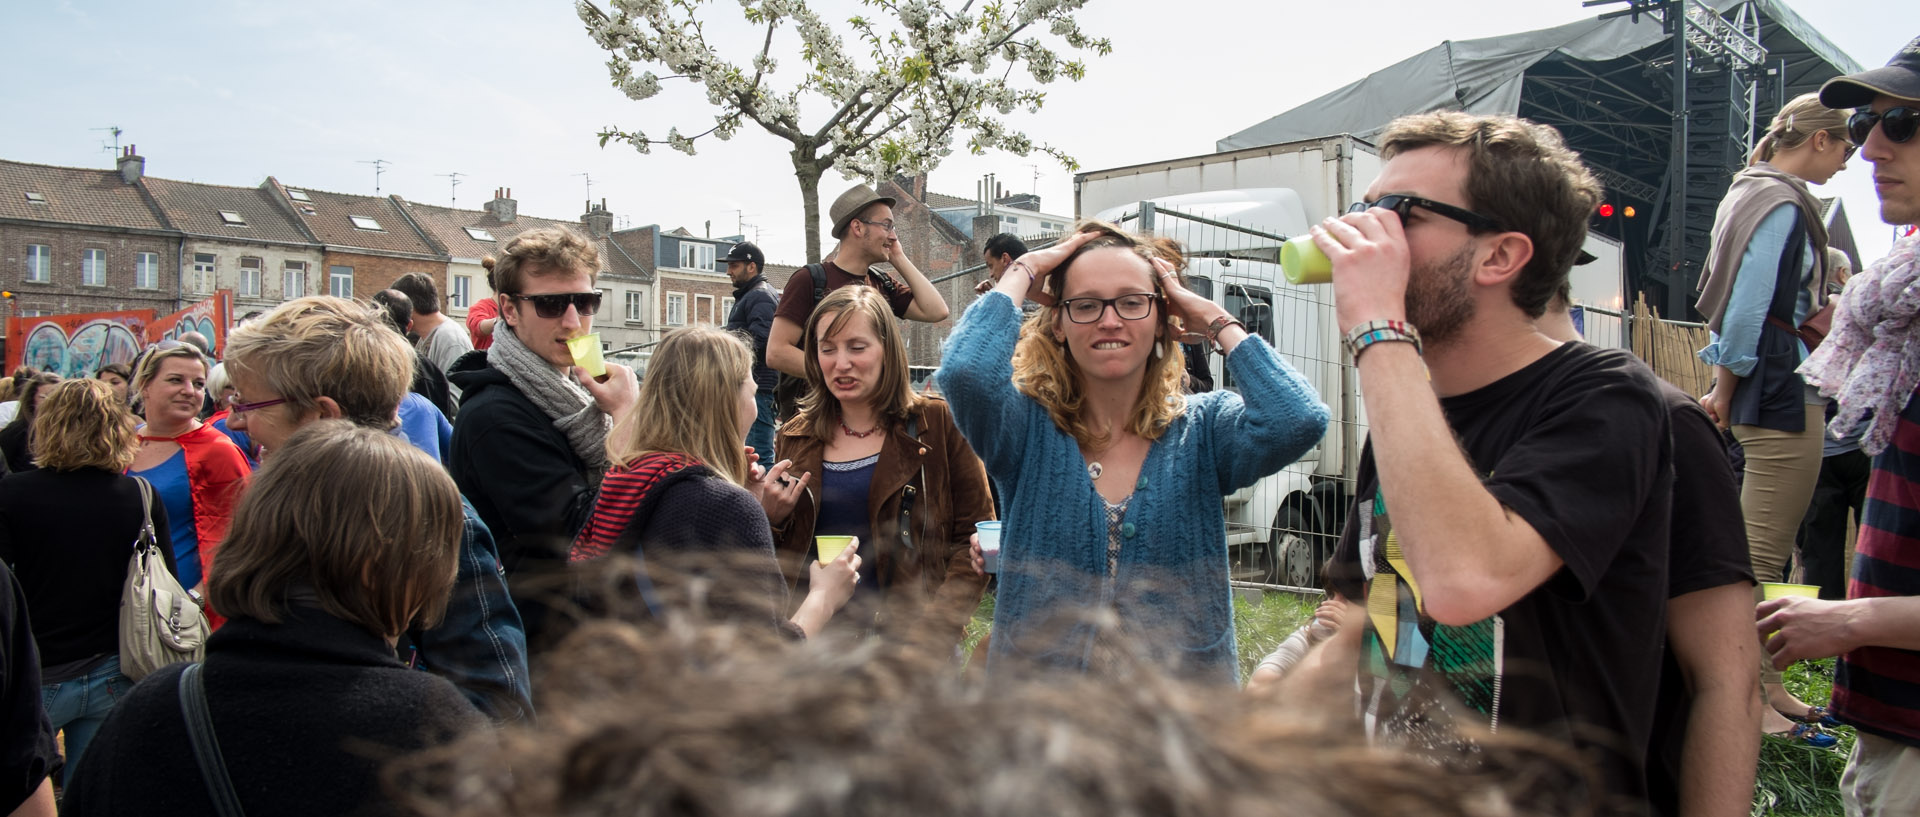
<point>84,425</point>
<point>894,397</point>
<point>1044,369</point>
<point>542,252</point>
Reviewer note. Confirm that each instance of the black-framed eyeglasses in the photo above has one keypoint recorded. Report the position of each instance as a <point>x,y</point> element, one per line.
<point>1404,206</point>
<point>1130,307</point>
<point>884,225</point>
<point>555,305</point>
<point>237,407</point>
<point>1897,123</point>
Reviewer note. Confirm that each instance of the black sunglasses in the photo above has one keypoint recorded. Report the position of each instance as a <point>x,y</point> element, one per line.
<point>1404,206</point>
<point>555,305</point>
<point>1897,123</point>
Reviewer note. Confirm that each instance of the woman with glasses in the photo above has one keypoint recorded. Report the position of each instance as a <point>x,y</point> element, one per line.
<point>892,470</point>
<point>1766,277</point>
<point>195,470</point>
<point>1112,480</point>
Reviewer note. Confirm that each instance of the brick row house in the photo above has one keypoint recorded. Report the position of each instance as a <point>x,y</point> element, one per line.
<point>238,239</point>
<point>84,240</point>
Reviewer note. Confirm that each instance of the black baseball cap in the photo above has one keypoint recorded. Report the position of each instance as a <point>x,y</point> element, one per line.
<point>745,251</point>
<point>1899,78</point>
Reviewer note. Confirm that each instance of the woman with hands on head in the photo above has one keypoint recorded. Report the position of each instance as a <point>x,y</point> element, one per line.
<point>894,472</point>
<point>677,495</point>
<point>1112,479</point>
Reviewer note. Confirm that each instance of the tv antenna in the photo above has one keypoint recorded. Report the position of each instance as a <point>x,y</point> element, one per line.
<point>453,187</point>
<point>379,166</point>
<point>1036,179</point>
<point>589,178</point>
<point>115,130</point>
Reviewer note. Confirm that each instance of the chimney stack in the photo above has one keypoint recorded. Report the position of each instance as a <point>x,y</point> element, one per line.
<point>132,165</point>
<point>598,221</point>
<point>503,208</point>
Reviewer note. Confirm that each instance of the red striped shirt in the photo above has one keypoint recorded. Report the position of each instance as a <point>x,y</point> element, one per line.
<point>1877,689</point>
<point>621,493</point>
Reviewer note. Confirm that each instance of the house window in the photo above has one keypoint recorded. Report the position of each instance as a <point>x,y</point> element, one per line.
<point>36,198</point>
<point>633,305</point>
<point>696,256</point>
<point>676,308</point>
<point>297,194</point>
<point>93,267</point>
<point>478,234</point>
<point>461,296</point>
<point>295,285</point>
<point>232,218</point>
<point>202,272</point>
<point>1010,221</point>
<point>366,223</point>
<point>146,271</point>
<point>703,308</point>
<point>250,277</point>
<point>340,282</point>
<point>726,307</point>
<point>39,263</point>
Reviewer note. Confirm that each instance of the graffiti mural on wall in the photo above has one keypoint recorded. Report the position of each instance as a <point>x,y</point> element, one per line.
<point>76,345</point>
<point>209,317</point>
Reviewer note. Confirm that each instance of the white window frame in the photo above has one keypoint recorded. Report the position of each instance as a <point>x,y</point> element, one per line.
<point>726,309</point>
<point>204,265</point>
<point>460,293</point>
<point>695,255</point>
<point>479,234</point>
<point>636,305</point>
<point>297,194</point>
<point>676,309</point>
<point>232,219</point>
<point>146,270</point>
<point>293,279</point>
<point>39,263</point>
<point>703,303</point>
<point>368,223</point>
<point>249,284</point>
<point>335,279</point>
<point>93,267</point>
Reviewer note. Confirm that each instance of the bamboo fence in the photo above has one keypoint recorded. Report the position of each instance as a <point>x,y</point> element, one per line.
<point>1669,347</point>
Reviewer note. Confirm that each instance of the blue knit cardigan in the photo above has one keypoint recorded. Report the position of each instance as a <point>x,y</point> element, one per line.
<point>1170,591</point>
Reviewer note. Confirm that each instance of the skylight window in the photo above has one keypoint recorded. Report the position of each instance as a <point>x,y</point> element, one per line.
<point>36,198</point>
<point>366,223</point>
<point>297,195</point>
<point>232,218</point>
<point>478,234</point>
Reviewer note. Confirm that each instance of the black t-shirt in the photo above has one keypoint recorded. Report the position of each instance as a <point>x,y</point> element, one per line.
<point>27,750</point>
<point>1576,444</point>
<point>1709,549</point>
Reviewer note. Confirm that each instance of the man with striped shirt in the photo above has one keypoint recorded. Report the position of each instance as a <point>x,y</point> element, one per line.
<point>1865,364</point>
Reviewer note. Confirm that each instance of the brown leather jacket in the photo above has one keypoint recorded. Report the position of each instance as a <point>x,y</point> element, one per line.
<point>932,589</point>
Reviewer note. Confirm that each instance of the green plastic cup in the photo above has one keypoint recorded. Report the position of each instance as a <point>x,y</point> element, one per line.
<point>586,354</point>
<point>831,546</point>
<point>1780,590</point>
<point>1303,262</point>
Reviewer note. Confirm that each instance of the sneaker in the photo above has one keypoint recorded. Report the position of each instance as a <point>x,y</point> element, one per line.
<point>1808,735</point>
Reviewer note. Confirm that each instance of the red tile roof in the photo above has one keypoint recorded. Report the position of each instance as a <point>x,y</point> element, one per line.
<point>74,195</point>
<point>448,228</point>
<point>195,208</point>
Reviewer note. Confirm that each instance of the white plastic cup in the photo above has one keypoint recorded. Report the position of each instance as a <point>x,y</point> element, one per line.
<point>989,533</point>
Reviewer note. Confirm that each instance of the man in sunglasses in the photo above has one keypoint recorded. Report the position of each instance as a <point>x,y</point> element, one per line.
<point>1866,365</point>
<point>1508,540</point>
<point>530,443</point>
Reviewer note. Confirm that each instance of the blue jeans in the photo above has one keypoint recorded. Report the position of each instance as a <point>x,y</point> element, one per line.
<point>80,705</point>
<point>760,436</point>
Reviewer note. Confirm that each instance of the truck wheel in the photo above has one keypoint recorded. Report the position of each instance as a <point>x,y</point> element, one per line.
<point>1296,558</point>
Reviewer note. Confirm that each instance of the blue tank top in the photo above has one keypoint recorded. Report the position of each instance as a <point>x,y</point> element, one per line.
<point>844,487</point>
<point>170,486</point>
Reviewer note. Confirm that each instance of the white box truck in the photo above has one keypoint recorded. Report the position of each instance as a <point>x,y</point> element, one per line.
<point>1231,211</point>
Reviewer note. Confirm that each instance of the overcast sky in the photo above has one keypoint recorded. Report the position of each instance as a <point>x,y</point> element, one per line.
<point>510,93</point>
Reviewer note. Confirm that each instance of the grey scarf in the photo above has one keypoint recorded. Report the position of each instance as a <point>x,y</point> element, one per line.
<point>562,399</point>
<point>1755,192</point>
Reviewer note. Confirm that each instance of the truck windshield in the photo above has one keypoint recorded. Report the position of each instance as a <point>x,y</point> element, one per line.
<point>1254,307</point>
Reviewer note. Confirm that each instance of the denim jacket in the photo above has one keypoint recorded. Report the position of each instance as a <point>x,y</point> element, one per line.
<point>480,645</point>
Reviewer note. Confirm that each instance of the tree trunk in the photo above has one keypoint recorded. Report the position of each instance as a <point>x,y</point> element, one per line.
<point>808,171</point>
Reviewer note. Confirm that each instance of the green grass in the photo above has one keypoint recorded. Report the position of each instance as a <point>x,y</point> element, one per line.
<point>1792,780</point>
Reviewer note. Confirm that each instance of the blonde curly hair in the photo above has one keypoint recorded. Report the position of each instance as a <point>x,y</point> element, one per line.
<point>1044,369</point>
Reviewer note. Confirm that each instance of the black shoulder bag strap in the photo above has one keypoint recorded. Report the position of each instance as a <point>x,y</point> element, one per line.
<point>206,746</point>
<point>911,492</point>
<point>819,274</point>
